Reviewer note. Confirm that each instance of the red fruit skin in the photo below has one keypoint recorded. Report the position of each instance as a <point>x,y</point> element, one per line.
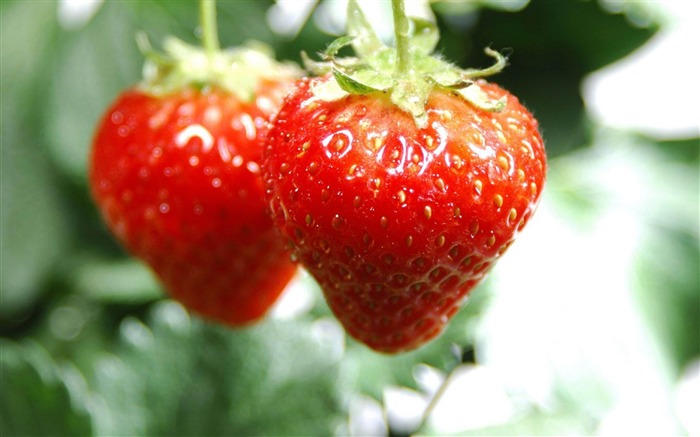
<point>398,224</point>
<point>177,180</point>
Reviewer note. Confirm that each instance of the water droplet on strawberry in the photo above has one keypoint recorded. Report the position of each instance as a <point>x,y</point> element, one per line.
<point>338,222</point>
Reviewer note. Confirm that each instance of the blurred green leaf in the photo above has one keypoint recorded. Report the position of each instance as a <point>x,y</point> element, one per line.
<point>37,397</point>
<point>669,262</point>
<point>657,184</point>
<point>670,295</point>
<point>27,30</point>
<point>126,281</point>
<point>96,63</point>
<point>33,222</point>
<point>180,377</point>
<point>536,424</point>
<point>463,7</point>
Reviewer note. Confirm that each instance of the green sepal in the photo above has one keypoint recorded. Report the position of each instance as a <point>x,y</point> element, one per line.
<point>335,46</point>
<point>328,91</point>
<point>352,86</point>
<point>477,97</point>
<point>375,69</point>
<point>315,67</point>
<point>236,70</point>
<point>451,85</point>
<point>147,50</point>
<point>373,78</point>
<point>496,68</point>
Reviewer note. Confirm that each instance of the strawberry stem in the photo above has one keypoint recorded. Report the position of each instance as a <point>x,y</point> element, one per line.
<point>434,400</point>
<point>401,34</point>
<point>207,17</point>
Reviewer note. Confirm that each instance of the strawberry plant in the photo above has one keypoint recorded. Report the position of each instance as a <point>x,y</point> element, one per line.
<point>175,172</point>
<point>399,179</point>
<point>91,346</point>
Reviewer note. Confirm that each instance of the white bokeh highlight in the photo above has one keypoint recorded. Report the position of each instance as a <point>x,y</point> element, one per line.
<point>654,90</point>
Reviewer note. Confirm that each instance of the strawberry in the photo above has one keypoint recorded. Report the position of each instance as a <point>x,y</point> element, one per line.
<point>399,210</point>
<point>175,172</point>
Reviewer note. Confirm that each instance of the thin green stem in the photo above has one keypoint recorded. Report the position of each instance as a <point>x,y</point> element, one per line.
<point>207,17</point>
<point>401,33</point>
<point>434,400</point>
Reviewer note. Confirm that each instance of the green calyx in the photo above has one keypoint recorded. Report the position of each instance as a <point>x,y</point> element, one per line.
<point>408,72</point>
<point>236,70</point>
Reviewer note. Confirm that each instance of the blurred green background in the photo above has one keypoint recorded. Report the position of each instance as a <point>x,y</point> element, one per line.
<point>589,326</point>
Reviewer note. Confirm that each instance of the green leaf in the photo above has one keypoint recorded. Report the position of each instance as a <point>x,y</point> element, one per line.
<point>667,262</point>
<point>32,221</point>
<point>534,424</point>
<point>126,281</point>
<point>365,42</point>
<point>176,376</point>
<point>37,397</point>
<point>426,36</point>
<point>95,64</point>
<point>462,8</point>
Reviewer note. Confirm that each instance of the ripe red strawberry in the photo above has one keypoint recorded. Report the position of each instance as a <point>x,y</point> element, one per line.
<point>398,217</point>
<point>175,173</point>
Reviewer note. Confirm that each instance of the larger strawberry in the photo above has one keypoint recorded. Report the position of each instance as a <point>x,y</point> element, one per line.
<point>175,172</point>
<point>399,188</point>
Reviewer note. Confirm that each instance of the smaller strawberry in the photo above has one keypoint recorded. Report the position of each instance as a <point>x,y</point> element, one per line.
<point>399,180</point>
<point>175,171</point>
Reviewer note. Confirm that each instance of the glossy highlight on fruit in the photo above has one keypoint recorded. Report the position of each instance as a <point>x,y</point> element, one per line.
<point>177,180</point>
<point>399,223</point>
